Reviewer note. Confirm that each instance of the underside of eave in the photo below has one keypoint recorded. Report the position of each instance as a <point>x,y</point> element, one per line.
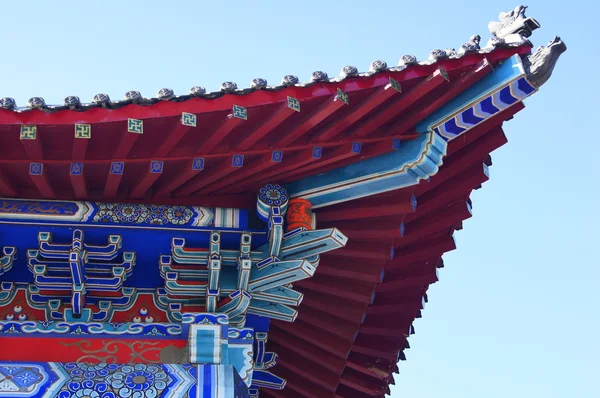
<point>346,343</point>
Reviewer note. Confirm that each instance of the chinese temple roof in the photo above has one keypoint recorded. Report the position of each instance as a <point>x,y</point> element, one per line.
<point>389,157</point>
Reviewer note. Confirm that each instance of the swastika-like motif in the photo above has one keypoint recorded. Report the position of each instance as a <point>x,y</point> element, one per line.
<point>188,119</point>
<point>356,147</point>
<point>198,164</point>
<point>277,156</point>
<point>156,166</point>
<point>293,103</point>
<point>36,169</point>
<point>238,160</point>
<point>28,132</point>
<point>395,84</point>
<point>317,152</point>
<point>117,167</point>
<point>83,131</point>
<point>76,168</point>
<point>342,96</point>
<point>444,74</point>
<point>240,112</point>
<point>135,126</point>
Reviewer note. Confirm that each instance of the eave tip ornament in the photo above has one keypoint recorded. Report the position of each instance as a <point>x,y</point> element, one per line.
<point>540,64</point>
<point>513,22</point>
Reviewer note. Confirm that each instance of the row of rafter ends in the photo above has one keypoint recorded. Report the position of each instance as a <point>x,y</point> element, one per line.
<point>167,94</point>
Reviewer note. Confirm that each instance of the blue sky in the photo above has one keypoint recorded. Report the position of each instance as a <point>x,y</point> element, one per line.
<point>516,311</point>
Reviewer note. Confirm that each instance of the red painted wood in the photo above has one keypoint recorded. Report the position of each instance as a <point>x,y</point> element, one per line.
<point>369,366</point>
<point>330,156</point>
<point>455,87</point>
<point>310,121</point>
<point>259,165</point>
<point>64,349</point>
<point>301,159</point>
<point>33,148</point>
<point>403,103</point>
<point>79,186</point>
<point>324,340</point>
<point>304,349</point>
<point>140,189</point>
<point>79,149</point>
<point>367,106</point>
<point>282,113</point>
<point>215,173</point>
<point>257,98</point>
<point>219,135</point>
<point>168,187</point>
<point>126,142</point>
<point>339,327</point>
<point>348,269</point>
<point>177,132</point>
<point>333,304</point>
<point>398,203</point>
<point>111,186</point>
<point>362,292</point>
<point>43,185</point>
<point>362,383</point>
<point>438,221</point>
<point>6,187</point>
<point>315,373</point>
<point>421,251</point>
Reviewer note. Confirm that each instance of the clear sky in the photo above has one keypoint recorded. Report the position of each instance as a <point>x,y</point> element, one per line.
<point>516,313</point>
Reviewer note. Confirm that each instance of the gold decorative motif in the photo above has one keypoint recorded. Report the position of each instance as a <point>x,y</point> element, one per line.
<point>83,131</point>
<point>293,103</point>
<point>342,96</point>
<point>188,119</point>
<point>107,353</point>
<point>28,132</point>
<point>135,126</point>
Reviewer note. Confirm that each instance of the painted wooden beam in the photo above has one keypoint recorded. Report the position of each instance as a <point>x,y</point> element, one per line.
<point>324,340</point>
<point>423,88</point>
<point>334,305</point>
<point>81,139</point>
<point>343,329</point>
<point>301,159</point>
<point>438,221</point>
<point>327,109</point>
<point>40,179</point>
<point>281,114</point>
<point>152,174</point>
<point>215,173</point>
<point>358,382</point>
<point>258,166</point>
<point>232,120</point>
<point>368,105</point>
<point>353,270</point>
<point>329,156</point>
<point>175,134</point>
<point>77,177</point>
<point>457,86</point>
<point>192,169</point>
<point>133,131</point>
<point>30,138</point>
<point>280,339</point>
<point>113,180</point>
<point>398,203</point>
<point>362,292</point>
<point>6,188</point>
<point>422,251</point>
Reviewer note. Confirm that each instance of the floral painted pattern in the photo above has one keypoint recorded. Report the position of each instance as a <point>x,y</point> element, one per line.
<point>115,381</point>
<point>139,381</point>
<point>121,213</point>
